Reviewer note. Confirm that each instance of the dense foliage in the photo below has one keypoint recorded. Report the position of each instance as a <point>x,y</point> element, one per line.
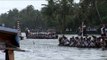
<point>28,17</point>
<point>61,15</point>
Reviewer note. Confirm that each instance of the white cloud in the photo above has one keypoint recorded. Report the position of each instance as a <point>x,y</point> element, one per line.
<point>76,1</point>
<point>6,5</point>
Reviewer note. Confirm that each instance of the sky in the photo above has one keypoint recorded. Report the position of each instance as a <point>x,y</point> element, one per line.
<point>6,5</point>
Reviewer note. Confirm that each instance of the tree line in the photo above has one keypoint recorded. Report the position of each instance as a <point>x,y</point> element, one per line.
<point>59,15</point>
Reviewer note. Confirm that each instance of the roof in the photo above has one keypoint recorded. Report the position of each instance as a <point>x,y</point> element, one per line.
<point>9,36</point>
<point>5,29</point>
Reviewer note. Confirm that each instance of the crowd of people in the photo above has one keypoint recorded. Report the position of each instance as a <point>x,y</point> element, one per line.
<point>83,42</point>
<point>38,35</point>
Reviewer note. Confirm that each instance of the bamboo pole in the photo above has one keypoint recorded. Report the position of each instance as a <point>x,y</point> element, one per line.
<point>82,28</point>
<point>98,11</point>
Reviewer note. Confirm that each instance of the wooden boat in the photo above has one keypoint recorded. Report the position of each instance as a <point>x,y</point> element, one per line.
<point>42,36</point>
<point>84,43</point>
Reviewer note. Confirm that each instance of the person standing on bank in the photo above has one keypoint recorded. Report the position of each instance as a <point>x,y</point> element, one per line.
<point>103,36</point>
<point>27,31</point>
<point>83,29</point>
<point>80,31</point>
<point>103,32</point>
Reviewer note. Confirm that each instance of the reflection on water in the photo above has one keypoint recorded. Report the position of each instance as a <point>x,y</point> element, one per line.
<point>48,49</point>
<point>44,49</point>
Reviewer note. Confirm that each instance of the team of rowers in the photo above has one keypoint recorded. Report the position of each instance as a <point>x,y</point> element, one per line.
<point>84,40</point>
<point>44,35</point>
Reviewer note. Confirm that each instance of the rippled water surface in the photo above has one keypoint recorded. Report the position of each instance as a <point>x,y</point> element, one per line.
<point>48,49</point>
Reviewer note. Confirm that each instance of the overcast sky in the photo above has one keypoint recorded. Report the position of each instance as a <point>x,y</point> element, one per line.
<point>6,5</point>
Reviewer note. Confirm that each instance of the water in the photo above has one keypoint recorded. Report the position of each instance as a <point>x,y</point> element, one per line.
<point>48,49</point>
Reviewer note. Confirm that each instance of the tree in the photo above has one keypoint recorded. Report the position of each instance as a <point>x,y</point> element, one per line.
<point>28,17</point>
<point>57,11</point>
<point>91,11</point>
<point>9,19</point>
<point>32,17</point>
<point>49,12</point>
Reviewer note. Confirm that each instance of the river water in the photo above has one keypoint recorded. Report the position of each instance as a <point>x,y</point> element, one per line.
<point>48,49</point>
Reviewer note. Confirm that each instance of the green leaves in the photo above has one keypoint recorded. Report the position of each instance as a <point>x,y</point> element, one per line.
<point>58,14</point>
<point>28,17</point>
